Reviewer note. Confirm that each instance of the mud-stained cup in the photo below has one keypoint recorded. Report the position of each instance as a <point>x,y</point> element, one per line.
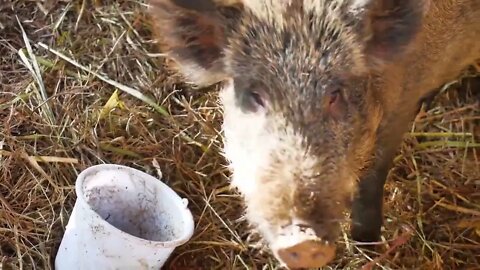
<point>123,219</point>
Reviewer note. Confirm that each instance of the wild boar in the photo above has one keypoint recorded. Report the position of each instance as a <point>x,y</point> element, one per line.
<point>317,95</point>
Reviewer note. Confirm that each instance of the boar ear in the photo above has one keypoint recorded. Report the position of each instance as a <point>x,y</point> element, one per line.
<point>192,33</point>
<point>388,26</point>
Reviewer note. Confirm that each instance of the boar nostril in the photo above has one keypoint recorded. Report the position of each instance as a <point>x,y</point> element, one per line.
<point>318,255</point>
<point>294,255</point>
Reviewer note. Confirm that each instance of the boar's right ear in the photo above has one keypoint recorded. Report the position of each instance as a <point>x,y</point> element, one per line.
<point>192,33</point>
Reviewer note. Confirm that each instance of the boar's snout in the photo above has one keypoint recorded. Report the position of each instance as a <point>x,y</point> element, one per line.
<point>299,247</point>
<point>307,254</point>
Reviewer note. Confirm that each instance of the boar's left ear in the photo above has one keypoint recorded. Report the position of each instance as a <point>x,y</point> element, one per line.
<point>192,33</point>
<point>388,26</point>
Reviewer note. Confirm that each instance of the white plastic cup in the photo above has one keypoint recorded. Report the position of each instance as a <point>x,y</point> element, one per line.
<point>123,219</point>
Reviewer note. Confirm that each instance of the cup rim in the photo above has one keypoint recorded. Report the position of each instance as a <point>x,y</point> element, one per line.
<point>188,224</point>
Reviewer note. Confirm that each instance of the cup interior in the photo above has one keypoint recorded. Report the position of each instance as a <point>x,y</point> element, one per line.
<point>133,204</point>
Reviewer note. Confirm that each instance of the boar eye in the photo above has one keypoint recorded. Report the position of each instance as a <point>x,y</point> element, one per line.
<point>255,99</point>
<point>336,104</point>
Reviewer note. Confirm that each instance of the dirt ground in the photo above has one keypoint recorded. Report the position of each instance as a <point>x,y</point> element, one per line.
<point>62,64</point>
